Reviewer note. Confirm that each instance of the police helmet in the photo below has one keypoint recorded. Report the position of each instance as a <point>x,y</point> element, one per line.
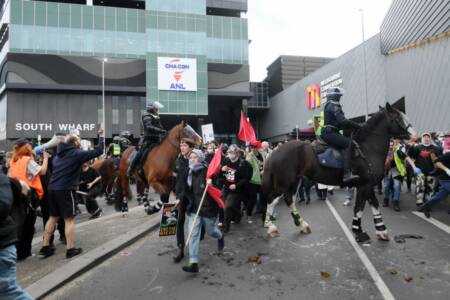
<point>154,106</point>
<point>125,134</point>
<point>334,93</point>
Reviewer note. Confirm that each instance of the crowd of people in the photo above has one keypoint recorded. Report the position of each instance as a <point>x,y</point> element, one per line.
<point>52,185</point>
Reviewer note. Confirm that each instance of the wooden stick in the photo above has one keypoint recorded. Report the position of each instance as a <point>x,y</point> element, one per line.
<point>196,216</point>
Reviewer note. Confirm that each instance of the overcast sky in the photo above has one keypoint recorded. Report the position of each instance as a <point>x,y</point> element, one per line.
<point>327,28</point>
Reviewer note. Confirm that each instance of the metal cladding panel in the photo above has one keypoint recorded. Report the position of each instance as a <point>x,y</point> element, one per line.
<point>409,21</point>
<point>422,76</point>
<point>228,4</point>
<point>288,108</point>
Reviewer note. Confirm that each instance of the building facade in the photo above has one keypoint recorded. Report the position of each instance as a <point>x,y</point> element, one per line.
<point>406,64</point>
<point>190,55</point>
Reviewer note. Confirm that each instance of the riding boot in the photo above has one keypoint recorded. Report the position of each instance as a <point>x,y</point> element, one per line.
<point>349,178</point>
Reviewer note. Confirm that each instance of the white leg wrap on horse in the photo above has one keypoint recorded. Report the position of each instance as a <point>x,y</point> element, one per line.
<point>375,211</point>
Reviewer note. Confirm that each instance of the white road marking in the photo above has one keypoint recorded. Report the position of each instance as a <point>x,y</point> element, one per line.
<point>381,285</point>
<point>435,222</point>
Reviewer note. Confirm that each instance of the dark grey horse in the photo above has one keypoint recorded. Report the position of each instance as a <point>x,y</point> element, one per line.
<point>295,159</point>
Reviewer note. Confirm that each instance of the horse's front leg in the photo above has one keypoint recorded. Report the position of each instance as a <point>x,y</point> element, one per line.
<point>380,228</point>
<point>298,220</point>
<point>361,197</point>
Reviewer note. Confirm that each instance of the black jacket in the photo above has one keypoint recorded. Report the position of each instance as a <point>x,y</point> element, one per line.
<point>152,125</point>
<point>422,156</point>
<point>67,165</point>
<point>334,117</point>
<point>194,194</point>
<point>239,175</point>
<point>180,175</point>
<point>8,234</point>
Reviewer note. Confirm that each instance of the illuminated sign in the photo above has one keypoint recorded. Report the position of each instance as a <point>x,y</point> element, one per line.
<point>177,74</point>
<point>313,96</point>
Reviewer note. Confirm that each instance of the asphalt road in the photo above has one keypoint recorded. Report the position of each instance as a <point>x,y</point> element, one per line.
<point>321,265</point>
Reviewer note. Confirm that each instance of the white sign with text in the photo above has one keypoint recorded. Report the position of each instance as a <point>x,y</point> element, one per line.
<point>177,74</point>
<point>207,133</point>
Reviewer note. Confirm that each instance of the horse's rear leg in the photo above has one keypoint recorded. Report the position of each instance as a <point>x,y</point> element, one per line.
<point>298,220</point>
<point>380,228</point>
<point>361,197</point>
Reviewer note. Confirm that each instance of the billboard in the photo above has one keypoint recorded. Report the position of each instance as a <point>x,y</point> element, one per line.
<point>177,74</point>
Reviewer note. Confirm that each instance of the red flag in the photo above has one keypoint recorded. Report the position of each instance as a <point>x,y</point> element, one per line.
<point>213,169</point>
<point>214,165</point>
<point>246,132</point>
<point>215,193</point>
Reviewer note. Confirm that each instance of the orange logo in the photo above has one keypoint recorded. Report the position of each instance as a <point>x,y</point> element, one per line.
<point>313,96</point>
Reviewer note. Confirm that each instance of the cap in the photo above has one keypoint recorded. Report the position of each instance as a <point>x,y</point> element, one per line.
<point>426,133</point>
<point>22,142</point>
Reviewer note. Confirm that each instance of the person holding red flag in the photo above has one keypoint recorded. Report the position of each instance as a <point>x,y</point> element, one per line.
<point>202,210</point>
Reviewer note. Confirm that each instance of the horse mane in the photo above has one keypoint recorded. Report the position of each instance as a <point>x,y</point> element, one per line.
<point>370,125</point>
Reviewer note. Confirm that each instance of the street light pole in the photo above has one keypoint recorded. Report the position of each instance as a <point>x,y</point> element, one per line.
<point>104,60</point>
<point>364,63</point>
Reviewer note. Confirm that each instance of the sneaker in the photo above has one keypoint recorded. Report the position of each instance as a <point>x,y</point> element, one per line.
<point>46,251</point>
<point>97,214</point>
<point>73,252</point>
<point>424,209</point>
<point>347,202</point>
<point>220,224</point>
<point>221,243</point>
<point>191,268</point>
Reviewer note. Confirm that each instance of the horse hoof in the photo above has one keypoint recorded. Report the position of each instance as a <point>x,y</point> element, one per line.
<point>362,237</point>
<point>383,236</point>
<point>306,230</point>
<point>273,231</point>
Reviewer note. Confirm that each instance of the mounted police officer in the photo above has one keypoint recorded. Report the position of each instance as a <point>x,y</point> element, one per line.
<point>334,121</point>
<point>153,132</point>
<point>123,140</point>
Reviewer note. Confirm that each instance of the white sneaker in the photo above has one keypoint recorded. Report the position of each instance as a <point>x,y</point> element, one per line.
<point>347,202</point>
<point>220,224</point>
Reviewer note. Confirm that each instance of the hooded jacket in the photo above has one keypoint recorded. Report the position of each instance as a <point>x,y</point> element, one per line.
<point>67,165</point>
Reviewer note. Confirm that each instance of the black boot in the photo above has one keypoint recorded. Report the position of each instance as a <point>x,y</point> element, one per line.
<point>191,268</point>
<point>349,178</point>
<point>385,202</point>
<point>177,258</point>
<point>424,208</point>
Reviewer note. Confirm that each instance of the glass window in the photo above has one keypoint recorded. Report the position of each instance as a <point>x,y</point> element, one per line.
<point>110,18</point>
<point>88,17</point>
<point>129,117</point>
<point>121,20</point>
<point>99,17</point>
<point>132,20</point>
<point>28,12</point>
<point>75,14</point>
<point>64,15</point>
<point>40,13</point>
<point>16,12</point>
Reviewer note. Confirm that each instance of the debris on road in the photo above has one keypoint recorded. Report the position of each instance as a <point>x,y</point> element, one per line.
<point>324,274</point>
<point>401,238</point>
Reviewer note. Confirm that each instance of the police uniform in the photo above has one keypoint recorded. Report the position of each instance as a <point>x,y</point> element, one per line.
<point>334,121</point>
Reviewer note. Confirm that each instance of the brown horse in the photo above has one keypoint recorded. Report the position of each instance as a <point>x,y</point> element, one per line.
<point>108,172</point>
<point>158,165</point>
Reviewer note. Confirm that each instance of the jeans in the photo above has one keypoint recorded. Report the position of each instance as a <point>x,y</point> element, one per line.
<point>211,229</point>
<point>444,191</point>
<point>396,185</point>
<point>9,289</point>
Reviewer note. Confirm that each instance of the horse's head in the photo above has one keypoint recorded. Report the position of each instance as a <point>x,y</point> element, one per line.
<point>187,132</point>
<point>399,125</point>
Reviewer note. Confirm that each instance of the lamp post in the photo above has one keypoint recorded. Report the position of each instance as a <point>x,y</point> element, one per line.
<point>104,60</point>
<point>364,63</point>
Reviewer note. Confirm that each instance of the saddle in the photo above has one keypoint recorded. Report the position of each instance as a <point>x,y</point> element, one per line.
<point>331,157</point>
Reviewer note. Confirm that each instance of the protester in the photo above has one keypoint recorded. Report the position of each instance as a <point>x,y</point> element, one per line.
<point>23,167</point>
<point>254,184</point>
<point>196,184</point>
<point>443,165</point>
<point>180,175</point>
<point>395,171</point>
<point>423,155</point>
<point>210,151</point>
<point>62,186</point>
<point>89,188</point>
<point>236,178</point>
<point>9,289</point>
